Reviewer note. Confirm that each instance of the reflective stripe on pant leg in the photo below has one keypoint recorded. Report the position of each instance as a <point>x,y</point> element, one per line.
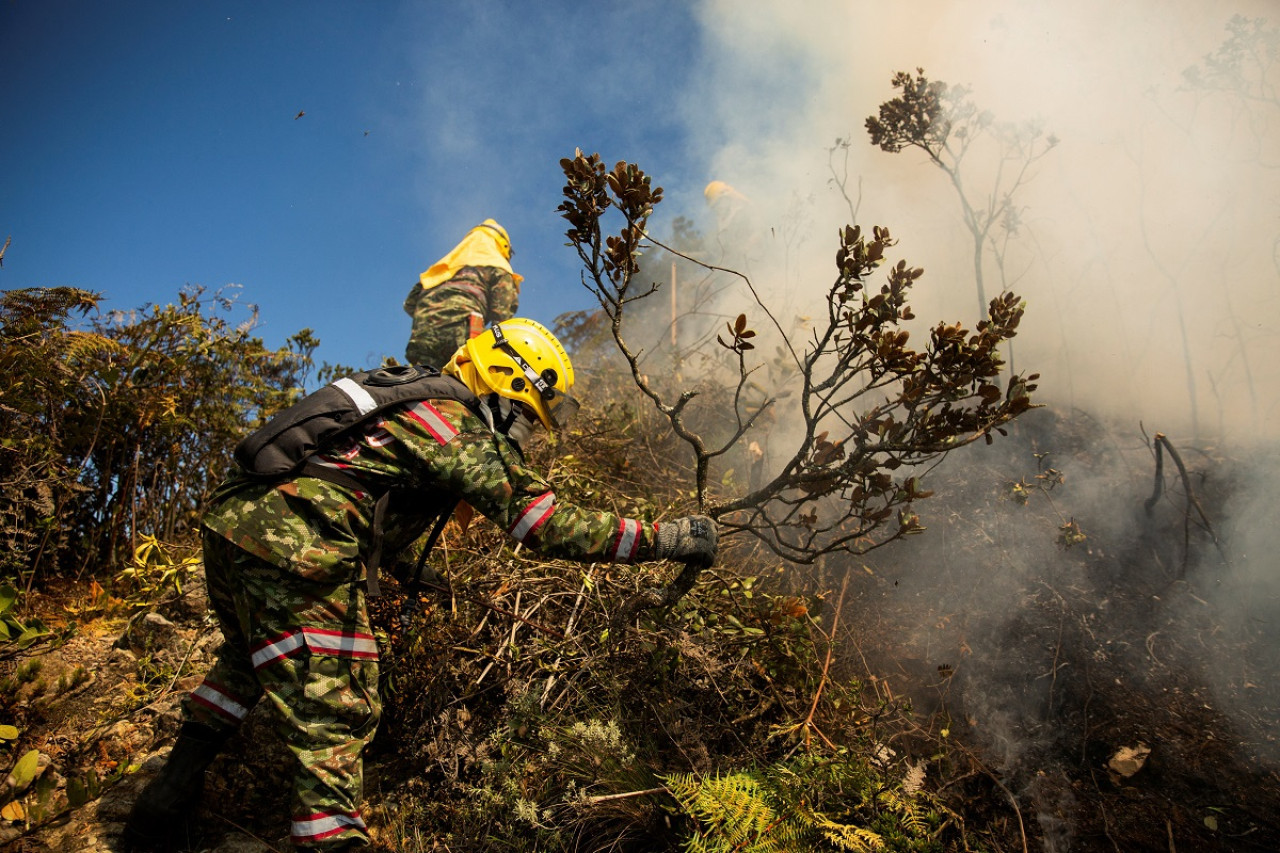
<point>321,679</point>
<point>211,697</point>
<point>230,689</point>
<point>331,722</point>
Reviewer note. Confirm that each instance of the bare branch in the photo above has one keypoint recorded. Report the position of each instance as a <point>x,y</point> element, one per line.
<point>869,416</point>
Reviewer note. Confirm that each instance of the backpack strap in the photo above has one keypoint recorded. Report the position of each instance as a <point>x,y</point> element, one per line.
<point>375,551</point>
<point>347,481</point>
<point>415,580</point>
<point>341,478</point>
<point>332,475</point>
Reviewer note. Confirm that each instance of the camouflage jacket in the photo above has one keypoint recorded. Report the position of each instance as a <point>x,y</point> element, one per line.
<point>490,291</point>
<point>430,454</point>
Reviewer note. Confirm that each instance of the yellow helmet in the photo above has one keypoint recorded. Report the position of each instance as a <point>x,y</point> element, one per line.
<point>521,360</point>
<point>500,235</point>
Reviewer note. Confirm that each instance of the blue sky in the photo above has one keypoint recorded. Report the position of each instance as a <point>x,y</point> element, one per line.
<point>149,145</point>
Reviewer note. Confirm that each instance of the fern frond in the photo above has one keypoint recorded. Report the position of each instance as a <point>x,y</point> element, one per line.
<point>683,786</point>
<point>853,838</point>
<point>80,345</point>
<point>735,804</point>
<point>732,811</point>
<point>696,843</point>
<point>912,813</point>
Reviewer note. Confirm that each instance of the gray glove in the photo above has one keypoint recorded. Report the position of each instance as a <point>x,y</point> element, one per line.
<point>691,539</point>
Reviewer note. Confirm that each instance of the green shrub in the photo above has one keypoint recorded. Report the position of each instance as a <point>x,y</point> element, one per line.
<point>122,424</point>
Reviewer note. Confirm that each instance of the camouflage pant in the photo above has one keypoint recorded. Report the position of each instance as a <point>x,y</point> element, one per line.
<point>308,647</point>
<point>443,320</point>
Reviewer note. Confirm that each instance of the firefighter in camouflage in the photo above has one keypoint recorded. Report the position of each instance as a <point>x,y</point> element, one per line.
<point>285,563</point>
<point>462,293</point>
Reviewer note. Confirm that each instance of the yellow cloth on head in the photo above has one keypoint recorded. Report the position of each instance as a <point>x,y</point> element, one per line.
<point>718,190</point>
<point>482,247</point>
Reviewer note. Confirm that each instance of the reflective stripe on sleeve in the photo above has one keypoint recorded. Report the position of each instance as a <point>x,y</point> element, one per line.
<point>320,825</point>
<point>340,644</point>
<point>441,429</point>
<point>349,451</point>
<point>534,514</point>
<point>218,699</point>
<point>364,403</point>
<point>627,542</point>
<point>274,650</point>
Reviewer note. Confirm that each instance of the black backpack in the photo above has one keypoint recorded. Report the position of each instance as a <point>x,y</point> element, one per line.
<point>283,447</point>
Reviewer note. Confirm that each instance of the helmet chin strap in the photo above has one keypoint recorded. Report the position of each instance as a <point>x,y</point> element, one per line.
<point>521,430</point>
<point>508,419</point>
<point>503,411</point>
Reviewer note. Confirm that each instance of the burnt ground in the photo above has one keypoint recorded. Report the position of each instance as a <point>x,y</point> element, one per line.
<point>1157,633</point>
<point>1026,668</point>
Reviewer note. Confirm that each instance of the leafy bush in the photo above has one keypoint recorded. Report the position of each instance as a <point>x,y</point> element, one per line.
<point>16,634</point>
<point>122,425</point>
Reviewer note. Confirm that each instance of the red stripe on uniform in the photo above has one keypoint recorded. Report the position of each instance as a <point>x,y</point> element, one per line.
<point>441,429</point>
<point>217,698</point>
<point>378,436</point>
<point>627,542</point>
<point>272,650</point>
<point>533,516</point>
<point>314,827</point>
<point>347,644</point>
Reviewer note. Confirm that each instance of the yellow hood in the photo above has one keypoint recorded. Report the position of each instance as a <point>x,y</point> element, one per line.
<point>462,368</point>
<point>486,245</point>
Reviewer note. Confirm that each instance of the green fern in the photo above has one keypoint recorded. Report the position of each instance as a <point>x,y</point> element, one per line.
<point>740,813</point>
<point>836,803</point>
<point>854,838</point>
<point>733,810</point>
<point>839,836</point>
<point>914,819</point>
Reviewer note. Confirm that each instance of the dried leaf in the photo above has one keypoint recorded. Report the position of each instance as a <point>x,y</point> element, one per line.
<point>1128,760</point>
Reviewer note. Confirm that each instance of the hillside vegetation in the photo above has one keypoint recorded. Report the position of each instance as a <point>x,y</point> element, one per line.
<point>522,714</point>
<point>875,662</point>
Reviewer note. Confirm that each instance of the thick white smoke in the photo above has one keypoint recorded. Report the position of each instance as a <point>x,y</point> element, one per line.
<point>1147,254</point>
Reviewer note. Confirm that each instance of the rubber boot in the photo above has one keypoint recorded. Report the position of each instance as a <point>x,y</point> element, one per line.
<point>160,817</point>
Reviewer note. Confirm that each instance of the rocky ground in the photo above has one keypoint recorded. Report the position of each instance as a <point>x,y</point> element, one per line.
<point>119,724</point>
